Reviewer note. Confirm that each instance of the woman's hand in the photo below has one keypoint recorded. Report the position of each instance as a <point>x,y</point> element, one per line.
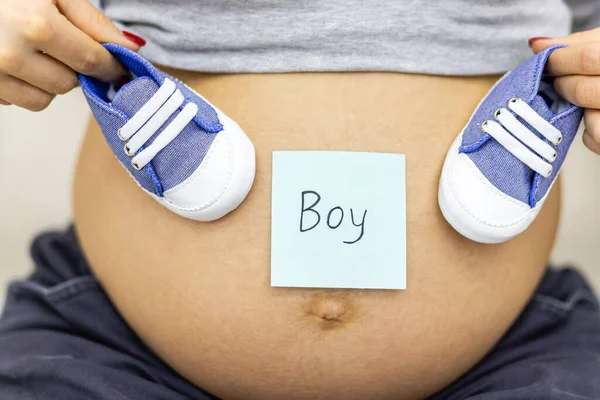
<point>577,72</point>
<point>43,43</point>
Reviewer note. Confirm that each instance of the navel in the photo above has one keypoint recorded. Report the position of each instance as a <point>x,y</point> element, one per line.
<point>330,311</point>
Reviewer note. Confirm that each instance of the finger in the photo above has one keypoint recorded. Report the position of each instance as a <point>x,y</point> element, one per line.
<point>83,15</point>
<point>22,94</point>
<point>591,143</point>
<point>576,38</point>
<point>581,59</point>
<point>591,135</point>
<point>63,41</point>
<point>4,103</point>
<point>583,91</point>
<point>46,73</point>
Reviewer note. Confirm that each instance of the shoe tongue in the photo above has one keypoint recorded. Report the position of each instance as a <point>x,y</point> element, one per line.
<point>132,96</point>
<point>541,107</point>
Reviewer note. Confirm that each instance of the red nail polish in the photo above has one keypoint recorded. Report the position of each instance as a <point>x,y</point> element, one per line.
<point>535,39</point>
<point>134,38</point>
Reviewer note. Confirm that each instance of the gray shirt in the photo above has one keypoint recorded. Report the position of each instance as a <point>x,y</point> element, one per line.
<point>448,37</point>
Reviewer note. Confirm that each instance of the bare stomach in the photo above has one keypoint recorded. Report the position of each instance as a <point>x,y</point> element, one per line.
<point>198,293</point>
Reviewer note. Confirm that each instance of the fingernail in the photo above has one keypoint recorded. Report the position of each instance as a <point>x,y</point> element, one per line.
<point>535,39</point>
<point>134,38</point>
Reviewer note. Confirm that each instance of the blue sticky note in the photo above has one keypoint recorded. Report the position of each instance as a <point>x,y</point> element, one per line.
<point>338,220</point>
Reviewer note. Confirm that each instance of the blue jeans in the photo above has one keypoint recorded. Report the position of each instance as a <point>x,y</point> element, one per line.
<point>62,339</point>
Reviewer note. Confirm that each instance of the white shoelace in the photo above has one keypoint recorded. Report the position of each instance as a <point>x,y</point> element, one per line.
<point>520,141</point>
<point>150,118</point>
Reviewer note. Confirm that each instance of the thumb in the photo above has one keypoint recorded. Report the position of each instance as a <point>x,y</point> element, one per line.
<point>94,23</point>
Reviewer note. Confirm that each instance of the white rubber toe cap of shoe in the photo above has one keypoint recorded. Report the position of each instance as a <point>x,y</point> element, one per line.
<point>221,181</point>
<point>475,207</point>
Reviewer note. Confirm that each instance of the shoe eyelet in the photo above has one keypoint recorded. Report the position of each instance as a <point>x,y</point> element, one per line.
<point>549,173</point>
<point>128,151</point>
<point>136,166</point>
<point>513,100</point>
<point>119,135</point>
<point>559,140</point>
<point>497,113</point>
<point>484,124</point>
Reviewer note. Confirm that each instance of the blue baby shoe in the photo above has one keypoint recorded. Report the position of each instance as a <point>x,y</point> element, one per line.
<point>179,148</point>
<point>501,167</point>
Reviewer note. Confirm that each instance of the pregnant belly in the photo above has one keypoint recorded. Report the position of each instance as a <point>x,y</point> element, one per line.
<point>199,293</point>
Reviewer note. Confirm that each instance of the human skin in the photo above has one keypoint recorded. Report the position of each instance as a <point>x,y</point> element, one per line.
<point>199,295</point>
<point>45,43</point>
<point>576,72</point>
